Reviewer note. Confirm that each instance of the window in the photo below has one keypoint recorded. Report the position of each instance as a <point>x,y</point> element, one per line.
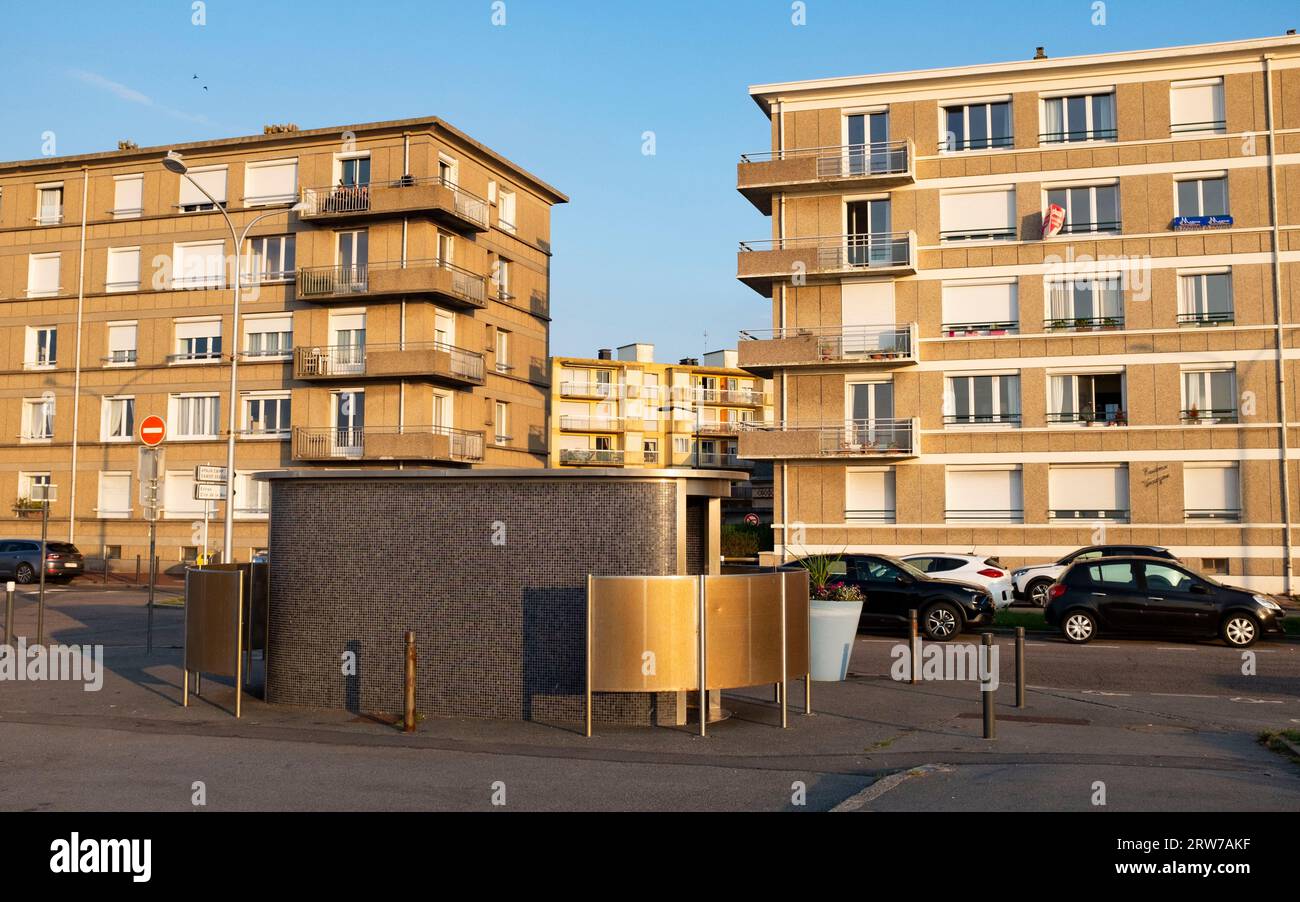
<point>869,151</point>
<point>506,210</point>
<point>43,275</point>
<point>252,496</point>
<point>38,419</point>
<point>976,126</point>
<point>49,204</point>
<point>444,327</point>
<point>503,351</point>
<point>123,269</point>
<point>1081,117</point>
<point>448,171</point>
<point>267,415</point>
<point>1196,107</point>
<point>178,496</point>
<point>502,420</point>
<point>42,347</point>
<point>443,410</point>
<point>200,264</point>
<point>1088,492</point>
<point>118,419</point>
<point>1209,396</point>
<point>1202,195</point>
<point>1087,398</point>
<point>1164,578</point>
<point>1085,303</point>
<point>869,496</point>
<point>1088,208</point>
<point>1205,298</point>
<point>1211,491</point>
<point>501,277</point>
<point>190,553</point>
<point>354,171</point>
<point>979,215</point>
<point>650,451</point>
<point>212,179</point>
<point>33,486</point>
<point>1214,566</point>
<point>270,182</point>
<point>1118,576</point>
<point>270,259</point>
<point>121,344</point>
<point>446,248</point>
<point>128,196</point>
<point>980,308</point>
<point>113,552</point>
<point>197,341</point>
<point>194,416</point>
<point>984,495</point>
<point>114,496</point>
<point>268,336</point>
<point>982,400</point>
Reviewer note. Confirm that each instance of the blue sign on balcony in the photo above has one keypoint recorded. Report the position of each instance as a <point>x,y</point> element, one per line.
<point>1195,223</point>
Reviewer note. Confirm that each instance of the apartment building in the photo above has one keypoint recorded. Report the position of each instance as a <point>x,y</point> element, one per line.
<point>625,410</point>
<point>394,313</point>
<point>1029,306</point>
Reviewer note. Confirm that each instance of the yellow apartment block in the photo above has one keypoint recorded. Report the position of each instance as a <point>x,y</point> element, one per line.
<point>395,313</point>
<point>1029,306</point>
<point>626,410</point>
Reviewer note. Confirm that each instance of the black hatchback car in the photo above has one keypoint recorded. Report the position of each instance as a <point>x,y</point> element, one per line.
<point>892,588</point>
<point>1157,597</point>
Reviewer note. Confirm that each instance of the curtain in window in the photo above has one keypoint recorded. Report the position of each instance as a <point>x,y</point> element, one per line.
<point>117,419</point>
<point>1195,396</point>
<point>1061,301</point>
<point>1063,396</point>
<point>1054,110</point>
<point>1103,116</point>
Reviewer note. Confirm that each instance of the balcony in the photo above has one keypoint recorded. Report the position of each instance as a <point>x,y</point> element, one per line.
<point>883,164</point>
<point>879,438</point>
<point>594,457</point>
<point>720,427</point>
<point>591,424</point>
<point>729,397</point>
<point>591,390</point>
<point>432,278</point>
<point>416,443</point>
<point>430,359</point>
<point>1084,324</point>
<point>761,263</point>
<point>435,197</point>
<point>762,352</point>
<point>716,461</point>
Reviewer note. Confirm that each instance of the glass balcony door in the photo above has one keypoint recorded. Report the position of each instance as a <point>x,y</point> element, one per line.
<point>349,423</point>
<point>869,225</point>
<point>870,413</point>
<point>868,150</point>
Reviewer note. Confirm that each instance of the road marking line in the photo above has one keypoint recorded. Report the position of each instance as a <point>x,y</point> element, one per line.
<point>884,785</point>
<point>1182,695</point>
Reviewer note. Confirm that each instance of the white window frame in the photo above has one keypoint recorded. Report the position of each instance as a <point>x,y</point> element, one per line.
<point>987,103</point>
<point>246,485</point>
<point>180,253</point>
<point>1075,373</point>
<point>201,204</point>
<point>1092,187</point>
<point>29,478</point>
<point>40,218</point>
<point>1186,315</point>
<point>1187,129</point>
<point>507,210</point>
<point>270,199</point>
<point>502,344</point>
<point>992,327</point>
<point>1201,178</point>
<point>1000,232</point>
<point>283,255</point>
<point>1005,515</point>
<point>950,412</point>
<point>113,287</point>
<point>1204,373</point>
<point>883,515</point>
<point>246,400</point>
<point>128,212</point>
<point>30,407</point>
<point>130,355</point>
<point>181,356</point>
<point>1098,284</point>
<point>250,323</point>
<point>1089,126</point>
<point>37,347</point>
<point>110,513</point>
<point>106,418</point>
<point>1211,515</point>
<point>1124,512</point>
<point>501,422</point>
<point>31,271</point>
<point>175,421</point>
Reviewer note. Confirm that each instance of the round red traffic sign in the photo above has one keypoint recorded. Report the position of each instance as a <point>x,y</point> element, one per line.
<point>153,429</point>
<point>751,519</point>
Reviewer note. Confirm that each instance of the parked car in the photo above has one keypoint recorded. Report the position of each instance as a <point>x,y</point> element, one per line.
<point>20,560</point>
<point>1159,597</point>
<point>893,587</point>
<point>1032,583</point>
<point>968,568</point>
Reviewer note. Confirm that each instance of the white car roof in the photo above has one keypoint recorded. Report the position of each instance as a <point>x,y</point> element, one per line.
<point>957,554</point>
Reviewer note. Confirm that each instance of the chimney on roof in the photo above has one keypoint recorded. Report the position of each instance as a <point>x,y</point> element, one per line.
<point>1290,31</point>
<point>287,128</point>
<point>127,144</point>
<point>689,361</point>
<point>605,354</point>
<point>1040,54</point>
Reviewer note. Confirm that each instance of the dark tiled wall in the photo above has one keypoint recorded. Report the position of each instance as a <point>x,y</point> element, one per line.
<point>498,610</point>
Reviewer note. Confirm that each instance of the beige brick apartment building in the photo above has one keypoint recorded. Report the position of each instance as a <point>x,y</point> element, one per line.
<point>398,317</point>
<point>949,374</point>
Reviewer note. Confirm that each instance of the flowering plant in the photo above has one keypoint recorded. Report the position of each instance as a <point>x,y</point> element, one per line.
<point>838,592</point>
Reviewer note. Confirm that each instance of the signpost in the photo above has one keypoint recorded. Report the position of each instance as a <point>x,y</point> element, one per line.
<point>43,492</point>
<point>153,429</point>
<point>209,486</point>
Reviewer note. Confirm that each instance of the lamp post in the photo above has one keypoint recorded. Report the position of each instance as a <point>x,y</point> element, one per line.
<point>174,162</point>
<point>691,410</point>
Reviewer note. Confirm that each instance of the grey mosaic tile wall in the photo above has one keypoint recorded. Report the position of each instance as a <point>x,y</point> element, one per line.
<point>498,610</point>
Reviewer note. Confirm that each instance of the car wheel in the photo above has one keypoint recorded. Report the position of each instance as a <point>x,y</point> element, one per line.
<point>1240,630</point>
<point>1079,627</point>
<point>941,622</point>
<point>1037,592</point>
<point>24,574</point>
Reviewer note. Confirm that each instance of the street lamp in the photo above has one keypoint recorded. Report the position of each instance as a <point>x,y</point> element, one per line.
<point>174,162</point>
<point>691,410</point>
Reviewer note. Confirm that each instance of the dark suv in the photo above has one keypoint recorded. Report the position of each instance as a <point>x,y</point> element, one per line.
<point>1157,597</point>
<point>20,560</point>
<point>892,588</point>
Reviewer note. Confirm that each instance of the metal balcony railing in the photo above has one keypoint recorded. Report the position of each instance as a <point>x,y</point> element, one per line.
<point>360,198</point>
<point>839,252</point>
<point>747,397</point>
<point>352,359</point>
<point>849,342</point>
<point>1209,415</point>
<point>1214,125</point>
<point>1087,417</point>
<point>869,516</point>
<point>1119,514</point>
<point>848,160</point>
<point>592,456</point>
<point>1080,134</point>
<point>1002,327</point>
<point>1206,318</point>
<point>883,435</point>
<point>720,461</point>
<point>992,233</point>
<point>1083,323</point>
<point>591,424</point>
<point>1221,515</point>
<point>322,281</point>
<point>344,442</point>
<point>981,419</point>
<point>992,142</point>
<point>984,516</point>
<point>591,389</point>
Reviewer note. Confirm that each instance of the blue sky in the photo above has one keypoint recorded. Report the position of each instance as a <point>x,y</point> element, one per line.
<point>645,251</point>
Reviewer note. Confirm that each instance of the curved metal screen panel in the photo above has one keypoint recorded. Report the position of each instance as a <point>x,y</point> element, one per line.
<point>742,630</point>
<point>644,633</point>
<point>797,591</point>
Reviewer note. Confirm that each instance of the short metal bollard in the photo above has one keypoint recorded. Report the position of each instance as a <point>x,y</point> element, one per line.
<point>408,720</point>
<point>990,716</point>
<point>9,612</point>
<point>137,571</point>
<point>1020,667</point>
<point>914,646</point>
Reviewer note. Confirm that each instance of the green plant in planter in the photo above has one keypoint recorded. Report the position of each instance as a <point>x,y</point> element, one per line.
<point>821,570</point>
<point>839,592</point>
<point>27,504</point>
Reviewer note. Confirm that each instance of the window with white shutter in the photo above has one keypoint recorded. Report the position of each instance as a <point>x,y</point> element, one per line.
<point>268,336</point>
<point>1088,492</point>
<point>270,182</point>
<point>984,495</point>
<point>114,496</point>
<point>178,496</point>
<point>43,275</point>
<point>980,215</point>
<point>1196,107</point>
<point>981,308</point>
<point>200,264</point>
<point>869,496</point>
<point>197,341</point>
<point>128,196</point>
<point>121,344</point>
<point>212,179</point>
<point>1212,491</point>
<point>193,416</point>
<point>123,269</point>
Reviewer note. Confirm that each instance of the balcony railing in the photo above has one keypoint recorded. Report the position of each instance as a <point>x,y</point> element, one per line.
<point>432,358</point>
<point>1088,417</point>
<point>405,193</point>
<point>591,424</point>
<point>1084,323</point>
<point>1219,318</point>
<point>736,397</point>
<point>593,456</point>
<point>1117,514</point>
<point>992,142</point>
<point>1220,515</point>
<point>992,233</point>
<point>846,160</point>
<point>984,516</point>
<point>1085,228</point>
<point>981,419</point>
<point>720,461</point>
<point>869,516</point>
<point>1209,415</point>
<point>764,349</point>
<point>1076,135</point>
<point>387,443</point>
<point>411,277</point>
<point>881,437</point>
<point>957,330</point>
<point>591,389</point>
<point>831,253</point>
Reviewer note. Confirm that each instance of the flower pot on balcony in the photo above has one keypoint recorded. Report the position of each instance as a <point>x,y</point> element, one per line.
<point>833,625</point>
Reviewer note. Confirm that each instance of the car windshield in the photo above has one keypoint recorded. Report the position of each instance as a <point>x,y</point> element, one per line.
<point>905,566</point>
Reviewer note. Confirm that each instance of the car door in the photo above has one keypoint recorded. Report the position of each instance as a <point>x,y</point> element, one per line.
<point>1114,587</point>
<point>888,589</point>
<point>8,561</point>
<point>1177,602</point>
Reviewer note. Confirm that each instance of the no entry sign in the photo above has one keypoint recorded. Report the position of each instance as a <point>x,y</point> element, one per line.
<point>153,429</point>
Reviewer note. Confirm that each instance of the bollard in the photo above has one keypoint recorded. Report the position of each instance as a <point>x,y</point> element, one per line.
<point>9,612</point>
<point>914,642</point>
<point>1020,667</point>
<point>408,721</point>
<point>137,570</point>
<point>990,716</point>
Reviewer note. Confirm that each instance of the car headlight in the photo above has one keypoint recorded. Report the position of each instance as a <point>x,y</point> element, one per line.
<point>1267,602</point>
<point>1017,573</point>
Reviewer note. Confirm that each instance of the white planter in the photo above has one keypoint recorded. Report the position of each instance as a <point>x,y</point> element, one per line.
<point>833,625</point>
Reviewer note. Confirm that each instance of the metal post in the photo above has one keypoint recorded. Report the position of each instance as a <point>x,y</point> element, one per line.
<point>1020,667</point>
<point>137,569</point>
<point>914,643</point>
<point>40,601</point>
<point>408,722</point>
<point>783,687</point>
<point>588,705</point>
<point>153,573</point>
<point>990,716</point>
<point>703,649</point>
<point>9,612</point>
